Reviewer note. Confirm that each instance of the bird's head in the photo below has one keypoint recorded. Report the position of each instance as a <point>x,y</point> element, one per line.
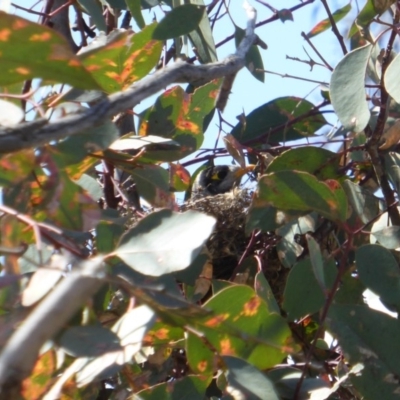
<point>218,179</point>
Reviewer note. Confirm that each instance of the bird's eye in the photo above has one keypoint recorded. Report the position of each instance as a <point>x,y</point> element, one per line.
<point>222,174</point>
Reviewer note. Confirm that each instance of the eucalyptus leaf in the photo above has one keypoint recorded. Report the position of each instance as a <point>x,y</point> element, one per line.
<point>165,242</point>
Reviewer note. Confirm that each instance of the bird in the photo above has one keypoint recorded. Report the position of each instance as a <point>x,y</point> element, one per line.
<point>218,179</point>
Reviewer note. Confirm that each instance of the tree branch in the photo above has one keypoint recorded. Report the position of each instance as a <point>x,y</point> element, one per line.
<point>30,135</point>
<point>21,351</point>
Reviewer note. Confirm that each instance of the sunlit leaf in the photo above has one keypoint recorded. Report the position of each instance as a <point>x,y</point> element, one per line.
<point>158,244</point>
<point>89,341</point>
<point>385,280</point>
<point>292,190</point>
<point>326,24</point>
<point>53,58</point>
<point>322,163</point>
<point>179,116</point>
<point>254,62</point>
<point>203,39</point>
<point>248,381</point>
<point>121,58</point>
<point>348,92</point>
<point>240,325</point>
<point>366,337</point>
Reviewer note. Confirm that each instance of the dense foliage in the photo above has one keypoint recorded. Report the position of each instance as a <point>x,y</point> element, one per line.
<point>111,288</point>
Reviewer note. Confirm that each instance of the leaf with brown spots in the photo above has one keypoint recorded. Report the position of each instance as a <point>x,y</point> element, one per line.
<point>118,60</point>
<point>52,60</point>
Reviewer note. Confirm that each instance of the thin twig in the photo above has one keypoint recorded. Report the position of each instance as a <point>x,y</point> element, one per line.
<point>292,77</point>
<point>275,17</point>
<point>304,36</point>
<point>334,27</point>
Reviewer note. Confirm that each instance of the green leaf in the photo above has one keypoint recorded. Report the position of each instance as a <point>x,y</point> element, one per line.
<point>348,92</point>
<point>276,115</point>
<point>121,58</point>
<point>288,249</point>
<point>153,184</point>
<point>189,387</point>
<point>326,24</point>
<point>180,21</point>
<point>264,290</point>
<point>158,244</point>
<point>317,262</point>
<point>392,79</point>
<point>135,9</point>
<point>379,271</point>
<point>92,187</point>
<point>261,216</point>
<point>368,337</point>
<point>94,9</point>
<point>254,60</point>
<point>89,341</point>
<point>322,163</point>
<point>108,236</point>
<point>203,39</point>
<point>75,148</point>
<point>247,381</point>
<point>363,20</point>
<point>301,191</point>
<point>16,167</point>
<point>179,116</point>
<point>362,201</point>
<point>130,329</point>
<point>75,210</point>
<point>241,325</point>
<point>303,295</point>
<point>53,58</point>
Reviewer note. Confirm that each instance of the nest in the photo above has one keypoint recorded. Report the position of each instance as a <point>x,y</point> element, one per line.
<point>228,241</point>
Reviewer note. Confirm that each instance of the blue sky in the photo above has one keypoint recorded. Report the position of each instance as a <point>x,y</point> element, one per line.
<point>283,39</point>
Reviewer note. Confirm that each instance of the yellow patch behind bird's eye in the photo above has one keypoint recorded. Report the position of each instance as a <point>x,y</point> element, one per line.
<point>215,176</point>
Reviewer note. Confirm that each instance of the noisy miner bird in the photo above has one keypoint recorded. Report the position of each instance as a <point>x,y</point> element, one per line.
<point>218,179</point>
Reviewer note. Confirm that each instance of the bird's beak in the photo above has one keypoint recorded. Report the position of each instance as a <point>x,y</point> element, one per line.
<point>244,170</point>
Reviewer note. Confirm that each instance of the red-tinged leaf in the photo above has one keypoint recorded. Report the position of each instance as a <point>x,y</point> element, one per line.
<point>180,116</point>
<point>179,177</point>
<point>53,59</point>
<point>66,204</point>
<point>240,325</point>
<point>322,163</point>
<point>15,167</point>
<point>153,185</point>
<point>118,60</point>
<point>301,191</point>
<point>326,24</point>
<point>40,379</point>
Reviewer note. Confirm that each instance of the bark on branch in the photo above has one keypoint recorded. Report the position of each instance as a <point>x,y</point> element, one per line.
<point>48,318</point>
<point>39,132</point>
